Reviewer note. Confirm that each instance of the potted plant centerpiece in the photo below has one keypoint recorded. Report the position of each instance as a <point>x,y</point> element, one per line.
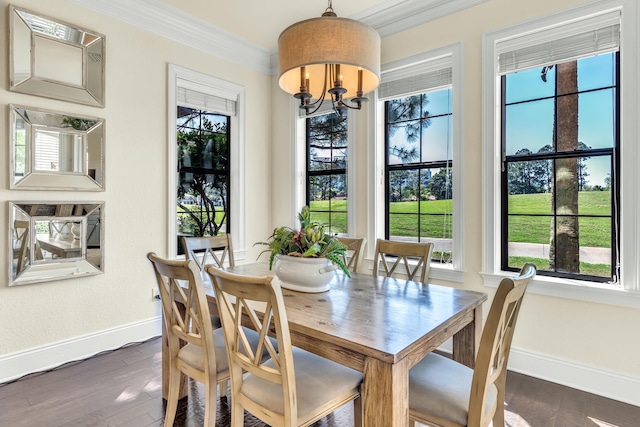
<point>305,259</point>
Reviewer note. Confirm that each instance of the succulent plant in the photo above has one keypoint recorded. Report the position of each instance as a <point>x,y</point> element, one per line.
<point>310,240</point>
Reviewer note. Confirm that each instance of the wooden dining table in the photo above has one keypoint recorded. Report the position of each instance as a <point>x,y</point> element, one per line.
<point>381,327</point>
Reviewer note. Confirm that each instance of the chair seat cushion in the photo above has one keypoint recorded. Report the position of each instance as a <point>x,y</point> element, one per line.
<point>318,381</point>
<point>441,386</point>
<point>192,355</point>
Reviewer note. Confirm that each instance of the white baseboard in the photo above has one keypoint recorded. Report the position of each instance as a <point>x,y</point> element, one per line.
<point>16,365</point>
<point>603,382</point>
<point>606,383</point>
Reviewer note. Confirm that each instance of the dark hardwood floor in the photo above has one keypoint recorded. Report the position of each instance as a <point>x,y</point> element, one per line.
<point>122,388</point>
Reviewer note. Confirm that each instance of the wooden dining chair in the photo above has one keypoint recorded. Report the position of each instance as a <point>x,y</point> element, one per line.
<point>215,249</point>
<point>203,250</point>
<point>355,251</point>
<point>445,393</point>
<point>416,257</point>
<point>294,387</point>
<point>186,318</point>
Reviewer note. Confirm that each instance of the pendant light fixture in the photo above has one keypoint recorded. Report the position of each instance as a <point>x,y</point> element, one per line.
<point>329,58</point>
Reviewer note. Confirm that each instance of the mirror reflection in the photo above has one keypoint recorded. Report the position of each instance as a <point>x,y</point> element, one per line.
<point>54,59</point>
<point>50,150</point>
<point>55,241</point>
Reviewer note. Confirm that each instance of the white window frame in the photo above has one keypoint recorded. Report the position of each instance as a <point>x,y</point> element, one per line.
<point>629,293</point>
<point>183,77</point>
<point>299,177</point>
<point>447,56</point>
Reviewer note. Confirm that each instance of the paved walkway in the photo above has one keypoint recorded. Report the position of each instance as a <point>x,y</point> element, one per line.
<point>534,250</point>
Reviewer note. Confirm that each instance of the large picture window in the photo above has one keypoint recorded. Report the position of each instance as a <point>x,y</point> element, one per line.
<point>560,176</point>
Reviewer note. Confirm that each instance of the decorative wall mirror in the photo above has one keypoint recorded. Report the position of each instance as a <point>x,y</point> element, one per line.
<point>51,150</point>
<point>55,241</point>
<point>54,59</point>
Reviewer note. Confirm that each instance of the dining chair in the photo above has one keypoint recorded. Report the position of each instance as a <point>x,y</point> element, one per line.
<point>186,318</point>
<point>445,393</point>
<point>355,251</point>
<point>416,257</point>
<point>218,249</point>
<point>294,387</point>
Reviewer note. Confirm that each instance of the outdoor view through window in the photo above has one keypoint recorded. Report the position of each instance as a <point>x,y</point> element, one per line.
<point>203,168</point>
<point>327,143</point>
<point>419,170</point>
<point>560,168</point>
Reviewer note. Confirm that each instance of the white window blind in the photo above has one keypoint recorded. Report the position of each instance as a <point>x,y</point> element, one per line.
<point>191,95</point>
<point>579,39</point>
<point>415,78</point>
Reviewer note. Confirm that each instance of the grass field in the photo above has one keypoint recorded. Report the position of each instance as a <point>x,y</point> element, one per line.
<point>436,222</point>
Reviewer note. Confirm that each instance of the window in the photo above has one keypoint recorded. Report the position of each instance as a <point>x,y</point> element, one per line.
<point>203,172</point>
<point>419,101</point>
<point>559,180</point>
<point>326,183</point>
<point>557,153</point>
<point>419,170</point>
<point>206,149</point>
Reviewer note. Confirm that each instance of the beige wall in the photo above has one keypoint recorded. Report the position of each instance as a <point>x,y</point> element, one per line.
<point>585,333</point>
<point>136,181</point>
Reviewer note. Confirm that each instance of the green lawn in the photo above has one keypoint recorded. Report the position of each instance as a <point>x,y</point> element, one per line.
<point>594,232</point>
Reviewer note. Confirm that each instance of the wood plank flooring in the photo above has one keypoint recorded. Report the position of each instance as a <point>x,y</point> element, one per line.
<point>123,388</point>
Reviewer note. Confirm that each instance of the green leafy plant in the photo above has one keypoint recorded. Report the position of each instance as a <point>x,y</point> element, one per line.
<point>310,241</point>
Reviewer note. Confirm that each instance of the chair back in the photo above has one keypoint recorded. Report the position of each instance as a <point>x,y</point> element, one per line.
<point>21,245</point>
<point>416,257</point>
<point>238,298</point>
<point>495,345</point>
<point>185,309</point>
<point>355,251</point>
<point>203,250</point>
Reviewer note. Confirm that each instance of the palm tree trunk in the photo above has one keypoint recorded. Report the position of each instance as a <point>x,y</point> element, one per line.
<point>565,241</point>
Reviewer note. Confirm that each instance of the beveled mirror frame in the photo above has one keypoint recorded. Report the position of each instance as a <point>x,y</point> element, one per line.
<point>86,154</point>
<point>67,241</point>
<point>54,59</point>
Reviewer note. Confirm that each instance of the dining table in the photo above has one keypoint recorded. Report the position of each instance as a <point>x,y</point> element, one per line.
<point>380,326</point>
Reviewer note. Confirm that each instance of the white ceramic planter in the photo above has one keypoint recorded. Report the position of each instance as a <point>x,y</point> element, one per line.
<point>304,274</point>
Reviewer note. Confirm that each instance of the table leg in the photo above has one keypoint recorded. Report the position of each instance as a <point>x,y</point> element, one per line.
<point>385,393</point>
<point>467,340</point>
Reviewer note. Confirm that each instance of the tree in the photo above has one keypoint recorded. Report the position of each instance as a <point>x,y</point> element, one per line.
<point>203,170</point>
<point>440,185</point>
<point>527,177</point>
<point>564,254</point>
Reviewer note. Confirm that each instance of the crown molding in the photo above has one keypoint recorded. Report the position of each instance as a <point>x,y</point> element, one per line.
<point>395,16</point>
<point>174,24</point>
<point>388,18</point>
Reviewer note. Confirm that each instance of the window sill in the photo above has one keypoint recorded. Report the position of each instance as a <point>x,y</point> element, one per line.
<point>587,291</point>
<point>438,271</point>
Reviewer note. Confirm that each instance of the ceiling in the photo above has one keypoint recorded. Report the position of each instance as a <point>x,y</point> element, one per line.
<point>262,21</point>
<point>246,31</point>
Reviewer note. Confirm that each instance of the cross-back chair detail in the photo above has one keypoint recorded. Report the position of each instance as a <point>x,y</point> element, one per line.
<point>415,257</point>
<point>438,386</point>
<point>279,391</point>
<point>186,317</point>
<point>209,249</point>
<point>355,251</point>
